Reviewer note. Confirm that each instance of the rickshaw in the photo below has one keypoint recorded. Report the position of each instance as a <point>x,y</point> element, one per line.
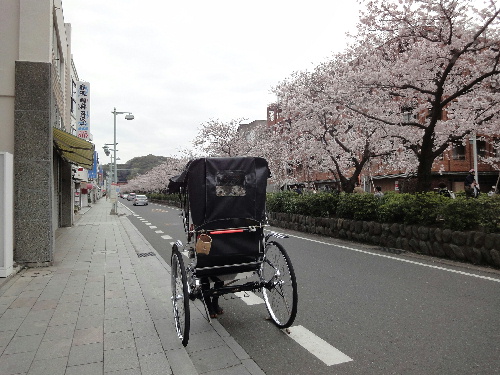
<point>227,251</point>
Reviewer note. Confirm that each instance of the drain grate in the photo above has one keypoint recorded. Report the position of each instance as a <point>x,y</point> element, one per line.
<point>140,255</point>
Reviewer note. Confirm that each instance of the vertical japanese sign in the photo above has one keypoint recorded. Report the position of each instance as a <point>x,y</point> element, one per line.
<point>93,172</point>
<point>83,110</point>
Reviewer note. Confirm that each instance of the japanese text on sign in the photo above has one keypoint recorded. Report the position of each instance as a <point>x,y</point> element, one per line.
<point>83,110</point>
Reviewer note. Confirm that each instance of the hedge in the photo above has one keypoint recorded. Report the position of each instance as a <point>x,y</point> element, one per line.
<point>172,199</point>
<point>428,209</point>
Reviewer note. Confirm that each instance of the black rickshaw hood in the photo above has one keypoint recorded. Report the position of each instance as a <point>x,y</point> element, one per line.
<point>224,188</point>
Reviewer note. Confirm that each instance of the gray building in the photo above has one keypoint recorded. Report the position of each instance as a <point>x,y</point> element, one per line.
<point>38,147</point>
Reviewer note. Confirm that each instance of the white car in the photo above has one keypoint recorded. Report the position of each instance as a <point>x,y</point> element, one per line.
<point>140,200</point>
<point>131,196</point>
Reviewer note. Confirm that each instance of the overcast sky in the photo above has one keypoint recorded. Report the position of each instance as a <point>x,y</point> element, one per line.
<point>176,64</point>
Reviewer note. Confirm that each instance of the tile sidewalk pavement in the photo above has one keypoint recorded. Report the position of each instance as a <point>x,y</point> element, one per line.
<point>102,309</point>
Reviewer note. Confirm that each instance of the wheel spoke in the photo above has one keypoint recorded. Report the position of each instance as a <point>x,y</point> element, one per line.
<point>180,296</point>
<point>280,291</point>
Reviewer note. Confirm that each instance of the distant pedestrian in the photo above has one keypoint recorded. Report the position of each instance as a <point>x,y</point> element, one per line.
<point>443,190</point>
<point>476,190</point>
<point>358,189</point>
<point>469,189</point>
<point>378,192</point>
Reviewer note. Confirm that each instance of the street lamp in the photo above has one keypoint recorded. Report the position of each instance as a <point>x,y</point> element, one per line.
<point>110,172</point>
<point>128,116</point>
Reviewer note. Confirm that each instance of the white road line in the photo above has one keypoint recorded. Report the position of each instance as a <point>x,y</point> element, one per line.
<point>317,346</point>
<point>166,237</point>
<point>249,298</point>
<point>158,231</point>
<point>399,259</point>
<point>153,227</point>
<point>147,223</point>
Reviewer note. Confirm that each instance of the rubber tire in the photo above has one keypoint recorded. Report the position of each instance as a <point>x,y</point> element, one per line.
<point>281,320</point>
<point>180,296</point>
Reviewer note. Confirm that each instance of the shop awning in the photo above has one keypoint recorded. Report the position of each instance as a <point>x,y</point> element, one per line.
<point>73,149</point>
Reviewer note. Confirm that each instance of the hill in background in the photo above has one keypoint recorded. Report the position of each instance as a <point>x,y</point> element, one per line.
<point>137,165</point>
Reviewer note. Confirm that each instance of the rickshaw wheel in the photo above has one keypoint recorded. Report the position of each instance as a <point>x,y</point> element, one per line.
<point>180,295</point>
<point>280,289</point>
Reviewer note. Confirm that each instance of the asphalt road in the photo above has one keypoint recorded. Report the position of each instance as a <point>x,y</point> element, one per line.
<point>386,313</point>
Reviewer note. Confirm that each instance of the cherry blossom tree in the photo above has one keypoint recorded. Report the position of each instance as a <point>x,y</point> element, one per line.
<point>419,76</point>
<point>157,179</point>
<point>428,69</point>
<point>324,134</point>
<point>229,139</point>
<point>234,138</point>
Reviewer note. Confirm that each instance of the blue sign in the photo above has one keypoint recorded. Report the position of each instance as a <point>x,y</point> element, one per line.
<point>93,171</point>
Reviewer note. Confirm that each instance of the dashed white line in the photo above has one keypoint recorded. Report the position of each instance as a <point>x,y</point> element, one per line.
<point>158,231</point>
<point>147,223</point>
<point>317,346</point>
<point>166,237</point>
<point>153,226</point>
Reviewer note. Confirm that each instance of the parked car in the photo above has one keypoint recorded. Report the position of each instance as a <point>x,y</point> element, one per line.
<point>124,196</point>
<point>140,200</point>
<point>131,196</point>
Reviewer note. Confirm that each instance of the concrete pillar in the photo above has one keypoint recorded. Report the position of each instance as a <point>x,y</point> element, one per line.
<point>33,164</point>
<point>66,186</point>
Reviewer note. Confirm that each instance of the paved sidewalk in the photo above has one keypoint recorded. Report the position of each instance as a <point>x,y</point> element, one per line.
<point>104,308</point>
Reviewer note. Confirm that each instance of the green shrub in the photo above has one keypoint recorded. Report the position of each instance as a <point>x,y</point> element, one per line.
<point>168,198</point>
<point>471,214</point>
<point>317,205</point>
<point>423,208</point>
<point>280,202</point>
<point>392,207</point>
<point>358,206</point>
<point>460,214</point>
<point>429,209</point>
<point>490,212</point>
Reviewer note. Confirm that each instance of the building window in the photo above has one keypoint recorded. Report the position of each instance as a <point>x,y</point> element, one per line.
<point>407,113</point>
<point>458,151</point>
<point>481,148</point>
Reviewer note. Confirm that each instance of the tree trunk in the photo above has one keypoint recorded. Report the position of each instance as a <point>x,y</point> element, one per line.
<point>426,156</point>
<point>424,170</point>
